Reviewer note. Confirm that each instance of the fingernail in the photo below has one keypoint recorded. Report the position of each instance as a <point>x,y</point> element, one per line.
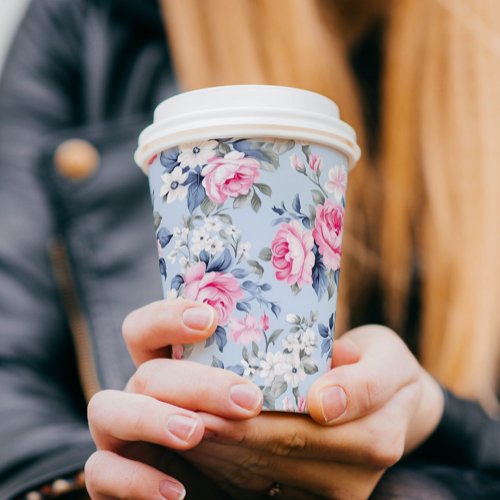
<point>333,402</point>
<point>182,427</point>
<point>246,396</point>
<point>172,490</point>
<point>198,318</point>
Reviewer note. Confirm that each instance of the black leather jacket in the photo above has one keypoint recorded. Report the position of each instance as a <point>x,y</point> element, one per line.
<point>77,255</point>
<point>93,70</point>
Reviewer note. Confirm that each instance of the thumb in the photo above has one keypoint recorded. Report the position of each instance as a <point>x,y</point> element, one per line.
<point>351,391</point>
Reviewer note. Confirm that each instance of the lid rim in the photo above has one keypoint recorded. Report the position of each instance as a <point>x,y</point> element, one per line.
<point>247,111</point>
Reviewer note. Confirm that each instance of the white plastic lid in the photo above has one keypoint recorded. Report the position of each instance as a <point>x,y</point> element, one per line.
<point>246,111</point>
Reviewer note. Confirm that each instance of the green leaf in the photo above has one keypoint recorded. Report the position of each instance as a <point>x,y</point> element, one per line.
<point>278,387</point>
<point>255,349</point>
<point>318,197</point>
<point>224,148</point>
<point>295,289</point>
<point>217,363</point>
<point>244,354</point>
<point>156,219</point>
<point>256,203</point>
<point>266,166</point>
<point>306,149</point>
<point>310,367</point>
<point>330,286</point>
<point>269,401</point>
<point>225,218</point>
<point>295,329</point>
<point>265,254</point>
<point>313,317</point>
<point>256,267</point>
<point>207,205</point>
<point>283,146</point>
<point>264,188</point>
<point>274,336</point>
<point>188,222</point>
<point>188,349</point>
<point>312,214</point>
<point>242,200</point>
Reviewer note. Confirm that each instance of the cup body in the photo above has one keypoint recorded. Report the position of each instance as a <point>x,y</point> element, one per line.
<point>253,226</point>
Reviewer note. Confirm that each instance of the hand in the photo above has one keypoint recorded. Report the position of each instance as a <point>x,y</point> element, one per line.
<point>376,404</point>
<point>133,429</point>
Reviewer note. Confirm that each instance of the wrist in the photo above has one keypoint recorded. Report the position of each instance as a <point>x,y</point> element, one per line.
<point>428,413</point>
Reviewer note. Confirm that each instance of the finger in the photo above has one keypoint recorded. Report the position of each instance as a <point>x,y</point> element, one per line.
<point>117,417</point>
<point>197,387</point>
<point>345,352</point>
<point>348,392</point>
<point>149,330</point>
<point>377,439</point>
<point>109,476</point>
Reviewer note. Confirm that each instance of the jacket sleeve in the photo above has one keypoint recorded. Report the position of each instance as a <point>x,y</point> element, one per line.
<point>43,429</point>
<point>466,437</point>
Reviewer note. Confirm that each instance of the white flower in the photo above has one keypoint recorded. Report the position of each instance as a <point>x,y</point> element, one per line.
<point>196,153</point>
<point>308,341</point>
<point>199,240</point>
<point>172,256</point>
<point>214,246</point>
<point>172,294</point>
<point>291,343</point>
<point>245,249</point>
<point>232,231</point>
<point>337,181</point>
<point>293,319</point>
<point>293,371</point>
<point>172,187</point>
<point>250,367</point>
<point>272,366</point>
<point>183,262</point>
<point>179,243</point>
<point>212,224</point>
<point>181,232</point>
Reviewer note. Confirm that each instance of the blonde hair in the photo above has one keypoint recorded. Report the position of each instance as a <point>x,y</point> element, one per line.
<point>427,205</point>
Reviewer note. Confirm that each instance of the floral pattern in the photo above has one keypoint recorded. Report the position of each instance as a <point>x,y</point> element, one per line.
<point>253,227</point>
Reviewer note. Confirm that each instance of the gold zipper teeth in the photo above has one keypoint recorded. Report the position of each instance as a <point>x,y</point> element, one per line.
<point>78,325</point>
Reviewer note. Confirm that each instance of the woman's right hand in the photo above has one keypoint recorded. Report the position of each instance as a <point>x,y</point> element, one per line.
<point>134,428</point>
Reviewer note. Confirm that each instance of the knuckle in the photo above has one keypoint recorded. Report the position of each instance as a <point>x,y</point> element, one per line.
<point>97,406</point>
<point>291,444</point>
<point>95,471</point>
<point>372,391</point>
<point>387,449</point>
<point>144,375</point>
<point>255,463</point>
<point>241,477</point>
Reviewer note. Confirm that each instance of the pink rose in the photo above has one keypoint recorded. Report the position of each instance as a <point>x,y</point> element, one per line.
<point>292,255</point>
<point>327,233</point>
<point>315,163</point>
<point>264,322</point>
<point>244,331</point>
<point>220,290</point>
<point>230,176</point>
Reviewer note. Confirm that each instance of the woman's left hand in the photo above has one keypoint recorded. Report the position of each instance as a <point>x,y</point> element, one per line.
<point>375,404</point>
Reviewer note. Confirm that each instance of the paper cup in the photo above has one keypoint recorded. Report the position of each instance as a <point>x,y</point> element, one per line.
<point>248,188</point>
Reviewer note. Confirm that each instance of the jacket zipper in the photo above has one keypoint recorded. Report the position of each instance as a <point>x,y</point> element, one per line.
<point>78,325</point>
